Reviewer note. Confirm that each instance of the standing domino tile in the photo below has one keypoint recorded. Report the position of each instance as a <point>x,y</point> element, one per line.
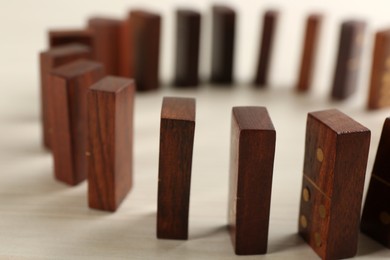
<point>336,151</point>
<point>223,34</point>
<point>376,213</point>
<point>49,60</point>
<point>107,42</point>
<point>68,100</point>
<point>143,49</point>
<point>269,27</point>
<point>63,37</point>
<point>313,26</point>
<point>187,48</point>
<point>110,142</point>
<point>251,166</point>
<point>348,59</point>
<point>379,91</point>
<point>174,177</point>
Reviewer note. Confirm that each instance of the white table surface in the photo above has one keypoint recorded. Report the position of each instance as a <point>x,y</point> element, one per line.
<point>43,219</point>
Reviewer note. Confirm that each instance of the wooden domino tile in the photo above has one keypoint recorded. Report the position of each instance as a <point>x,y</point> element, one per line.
<point>68,100</point>
<point>348,59</point>
<point>379,91</point>
<point>63,37</point>
<point>187,48</point>
<point>51,59</point>
<point>312,33</point>
<point>336,151</point>
<point>174,177</point>
<point>107,33</point>
<point>110,142</point>
<point>223,37</point>
<point>251,166</point>
<point>143,36</point>
<point>269,27</point>
<point>375,220</point>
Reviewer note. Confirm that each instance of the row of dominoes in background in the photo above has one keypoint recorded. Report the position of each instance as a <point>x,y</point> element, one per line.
<point>91,122</point>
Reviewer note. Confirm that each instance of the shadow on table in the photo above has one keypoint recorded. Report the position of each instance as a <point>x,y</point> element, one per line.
<point>368,246</point>
<point>285,243</point>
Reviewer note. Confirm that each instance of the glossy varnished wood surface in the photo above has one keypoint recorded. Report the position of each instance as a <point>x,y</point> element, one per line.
<point>51,59</point>
<point>68,98</point>
<point>110,142</point>
<point>336,152</point>
<point>251,167</point>
<point>175,164</point>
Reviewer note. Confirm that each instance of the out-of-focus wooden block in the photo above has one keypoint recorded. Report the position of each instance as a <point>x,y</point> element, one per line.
<point>174,177</point>
<point>348,59</point>
<point>336,151</point>
<point>110,142</point>
<point>376,213</point>
<point>379,92</point>
<point>309,52</point>
<point>252,153</point>
<point>107,42</point>
<point>141,49</point>
<point>50,59</point>
<point>223,37</point>
<point>64,37</point>
<point>187,48</point>
<point>68,100</point>
<point>269,27</point>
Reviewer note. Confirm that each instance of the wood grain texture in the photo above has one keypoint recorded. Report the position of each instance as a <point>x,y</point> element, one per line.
<point>379,90</point>
<point>64,37</point>
<point>110,142</point>
<point>48,60</point>
<point>175,162</point>
<point>223,43</point>
<point>141,54</point>
<point>348,59</point>
<point>251,166</point>
<point>309,52</point>
<point>336,151</point>
<point>187,48</point>
<point>107,37</point>
<point>376,213</point>
<point>265,51</point>
<point>68,100</point>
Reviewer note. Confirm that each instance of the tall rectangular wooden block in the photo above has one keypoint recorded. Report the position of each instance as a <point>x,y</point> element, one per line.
<point>110,142</point>
<point>222,52</point>
<point>143,49</point>
<point>309,52</point>
<point>348,59</point>
<point>376,213</point>
<point>187,48</point>
<point>379,91</point>
<point>64,37</point>
<point>174,177</point>
<point>269,27</point>
<point>252,153</point>
<point>68,100</point>
<point>49,60</point>
<point>107,36</point>
<point>336,151</point>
